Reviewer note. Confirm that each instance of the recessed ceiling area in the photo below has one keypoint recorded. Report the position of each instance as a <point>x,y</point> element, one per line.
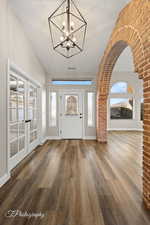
<point>100,16</point>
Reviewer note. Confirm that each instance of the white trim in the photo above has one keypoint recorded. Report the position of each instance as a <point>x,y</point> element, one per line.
<point>124,129</point>
<point>16,69</point>
<point>43,140</point>
<point>54,138</point>
<point>89,138</point>
<point>4,179</point>
<point>7,122</point>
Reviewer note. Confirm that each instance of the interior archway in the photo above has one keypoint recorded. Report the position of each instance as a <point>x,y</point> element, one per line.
<point>128,34</point>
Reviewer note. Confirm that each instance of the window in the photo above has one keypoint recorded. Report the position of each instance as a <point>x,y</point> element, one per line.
<point>69,82</point>
<point>91,109</point>
<point>121,108</point>
<point>142,109</point>
<point>121,87</point>
<point>53,109</point>
<point>71,105</point>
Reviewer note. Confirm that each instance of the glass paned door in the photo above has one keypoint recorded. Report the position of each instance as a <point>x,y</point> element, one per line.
<point>17,108</point>
<point>23,118</point>
<point>32,116</point>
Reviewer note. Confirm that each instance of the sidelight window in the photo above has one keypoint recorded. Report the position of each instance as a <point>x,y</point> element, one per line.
<point>53,109</point>
<point>91,109</point>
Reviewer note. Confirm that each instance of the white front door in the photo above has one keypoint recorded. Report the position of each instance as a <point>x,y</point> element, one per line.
<point>71,115</point>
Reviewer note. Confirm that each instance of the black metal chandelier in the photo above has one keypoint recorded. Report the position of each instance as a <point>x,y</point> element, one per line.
<point>68,29</point>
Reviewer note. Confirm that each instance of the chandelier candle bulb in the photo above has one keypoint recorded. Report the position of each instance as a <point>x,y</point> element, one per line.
<point>61,38</point>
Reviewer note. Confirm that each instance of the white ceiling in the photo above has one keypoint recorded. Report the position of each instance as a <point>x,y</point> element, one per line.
<point>100,15</point>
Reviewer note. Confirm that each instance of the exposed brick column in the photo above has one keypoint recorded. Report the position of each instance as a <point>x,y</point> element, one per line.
<point>146,136</point>
<point>146,150</point>
<point>102,118</point>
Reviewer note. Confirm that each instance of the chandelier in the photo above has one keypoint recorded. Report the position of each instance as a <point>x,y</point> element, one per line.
<point>67,29</point>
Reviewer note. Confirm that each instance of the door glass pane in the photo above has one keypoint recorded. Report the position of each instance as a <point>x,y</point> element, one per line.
<point>32,102</point>
<point>13,115</point>
<point>13,148</point>
<point>33,125</point>
<point>13,99</point>
<point>32,92</point>
<point>71,105</point>
<point>13,83</point>
<point>34,114</point>
<point>21,86</point>
<point>33,136</point>
<point>21,101</point>
<point>13,132</point>
<point>21,116</point>
<point>21,129</point>
<point>21,143</point>
<point>30,114</point>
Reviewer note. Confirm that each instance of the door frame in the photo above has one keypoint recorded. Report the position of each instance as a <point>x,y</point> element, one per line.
<point>14,69</point>
<point>69,90</point>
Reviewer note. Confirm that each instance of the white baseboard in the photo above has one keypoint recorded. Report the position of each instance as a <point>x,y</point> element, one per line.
<point>4,179</point>
<point>43,140</point>
<point>89,138</point>
<point>53,138</point>
<point>124,129</point>
<point>59,138</point>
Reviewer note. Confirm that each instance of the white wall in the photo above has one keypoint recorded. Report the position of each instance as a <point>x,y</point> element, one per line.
<point>137,84</point>
<point>14,45</point>
<point>125,61</point>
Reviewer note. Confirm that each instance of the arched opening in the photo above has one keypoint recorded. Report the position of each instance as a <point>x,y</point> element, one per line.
<point>125,95</point>
<point>136,36</point>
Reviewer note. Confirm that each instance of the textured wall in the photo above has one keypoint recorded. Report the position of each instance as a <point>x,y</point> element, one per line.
<point>132,29</point>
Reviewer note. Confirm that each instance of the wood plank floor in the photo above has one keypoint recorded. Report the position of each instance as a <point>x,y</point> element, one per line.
<point>77,182</point>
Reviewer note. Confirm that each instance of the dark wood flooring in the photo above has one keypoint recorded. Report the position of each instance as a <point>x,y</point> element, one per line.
<point>77,182</point>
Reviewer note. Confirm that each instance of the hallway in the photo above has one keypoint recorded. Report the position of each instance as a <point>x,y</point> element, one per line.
<point>82,182</point>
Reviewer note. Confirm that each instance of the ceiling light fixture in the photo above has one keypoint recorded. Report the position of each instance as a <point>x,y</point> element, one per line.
<point>68,29</point>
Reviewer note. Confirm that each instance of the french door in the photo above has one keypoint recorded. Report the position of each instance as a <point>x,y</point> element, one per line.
<point>32,116</point>
<point>23,118</point>
<point>71,115</point>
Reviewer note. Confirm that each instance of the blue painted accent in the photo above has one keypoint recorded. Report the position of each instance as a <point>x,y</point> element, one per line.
<point>69,82</point>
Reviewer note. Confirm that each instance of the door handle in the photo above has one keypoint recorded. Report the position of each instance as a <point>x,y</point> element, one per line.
<point>27,121</point>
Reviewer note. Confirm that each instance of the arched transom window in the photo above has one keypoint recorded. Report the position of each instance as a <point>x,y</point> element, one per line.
<point>121,87</point>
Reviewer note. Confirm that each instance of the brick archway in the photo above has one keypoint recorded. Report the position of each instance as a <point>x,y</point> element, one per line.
<point>132,29</point>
